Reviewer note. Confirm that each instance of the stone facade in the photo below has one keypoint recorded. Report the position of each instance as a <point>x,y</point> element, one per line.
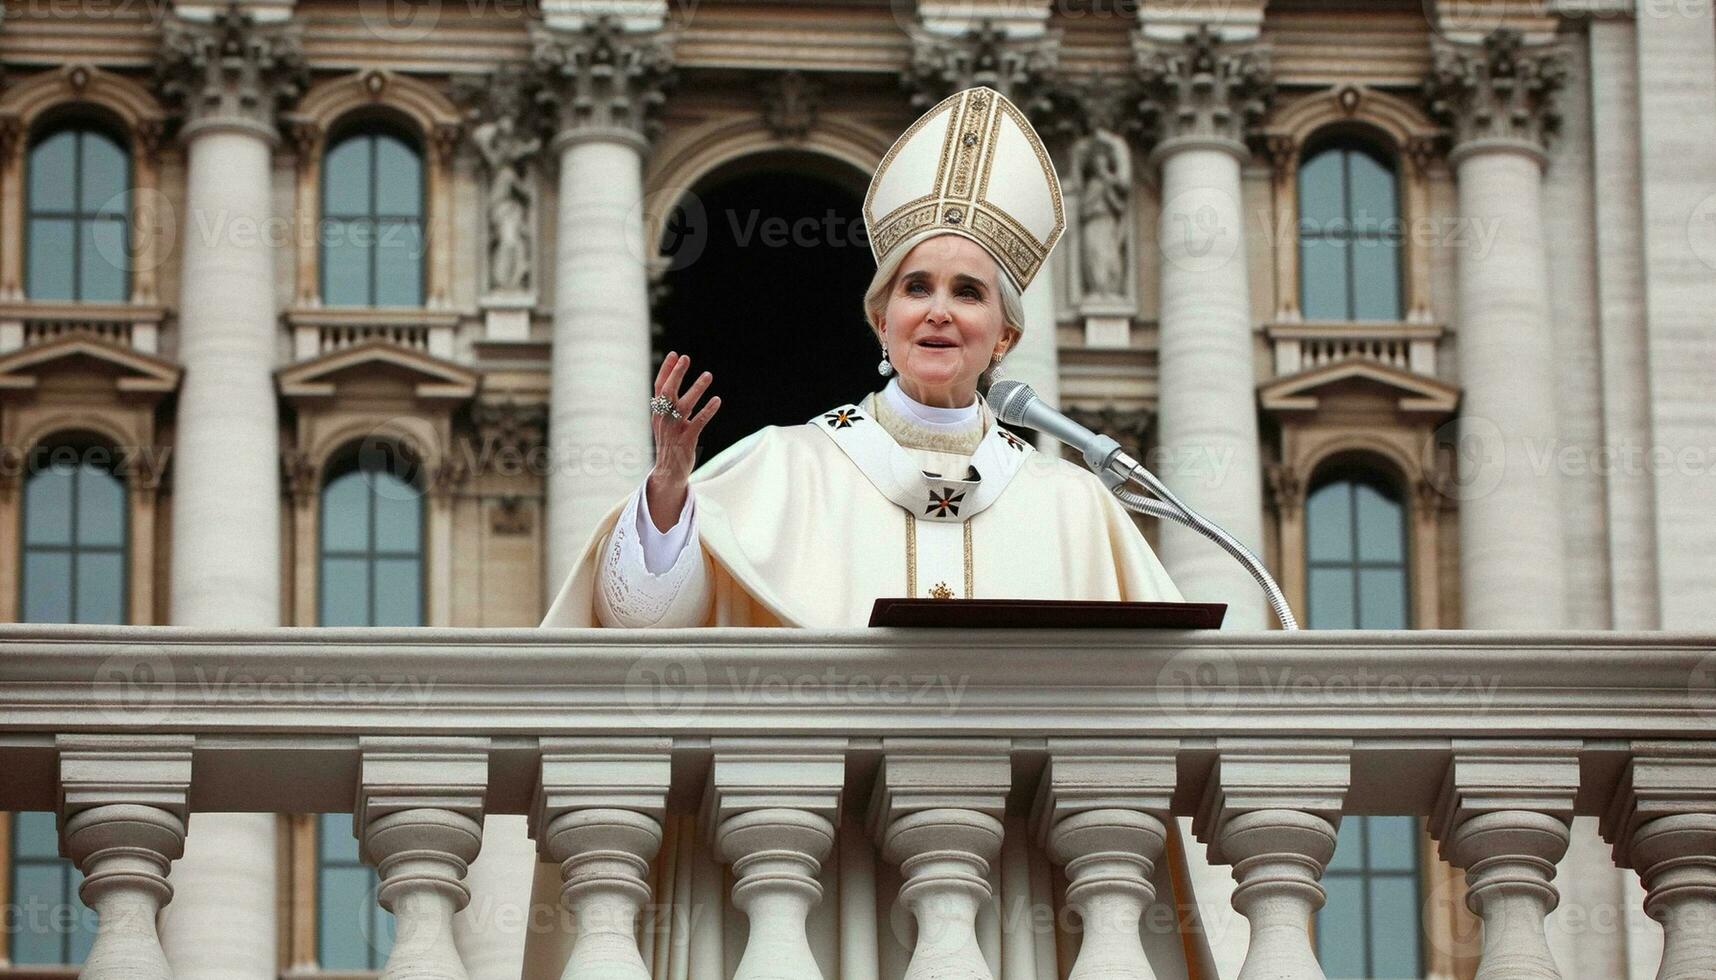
<point>1541,401</point>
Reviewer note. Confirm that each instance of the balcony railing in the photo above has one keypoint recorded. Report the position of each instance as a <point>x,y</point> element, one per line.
<point>325,330</point>
<point>28,323</point>
<point>954,753</point>
<point>1404,346</point>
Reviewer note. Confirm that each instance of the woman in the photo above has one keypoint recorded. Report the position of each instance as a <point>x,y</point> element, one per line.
<point>916,491</point>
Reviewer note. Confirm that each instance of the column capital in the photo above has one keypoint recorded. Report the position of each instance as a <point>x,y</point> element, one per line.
<point>1308,775</point>
<point>1006,56</point>
<point>601,773</point>
<point>1104,774</point>
<point>1499,94</point>
<point>1489,776</point>
<point>1200,91</point>
<point>232,72</point>
<point>399,773</point>
<point>1661,779</point>
<point>144,770</point>
<point>934,774</point>
<point>601,80</point>
<point>806,774</point>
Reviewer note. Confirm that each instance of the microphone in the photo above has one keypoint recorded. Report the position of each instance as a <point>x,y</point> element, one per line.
<point>1014,403</point>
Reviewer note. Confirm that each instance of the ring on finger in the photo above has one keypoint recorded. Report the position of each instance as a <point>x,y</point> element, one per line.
<point>662,405</point>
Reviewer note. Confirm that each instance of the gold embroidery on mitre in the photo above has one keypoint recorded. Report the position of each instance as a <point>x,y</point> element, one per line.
<point>958,195</point>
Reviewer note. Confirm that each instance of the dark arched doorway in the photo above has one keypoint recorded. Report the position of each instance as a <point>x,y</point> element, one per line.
<point>767,269</point>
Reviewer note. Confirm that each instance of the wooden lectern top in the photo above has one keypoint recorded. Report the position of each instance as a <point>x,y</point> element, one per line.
<point>1047,614</point>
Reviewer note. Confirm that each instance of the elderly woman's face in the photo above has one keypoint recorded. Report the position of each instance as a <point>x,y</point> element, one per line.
<point>944,322</point>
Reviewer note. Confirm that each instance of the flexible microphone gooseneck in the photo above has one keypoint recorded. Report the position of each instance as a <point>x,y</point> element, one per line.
<point>1016,404</point>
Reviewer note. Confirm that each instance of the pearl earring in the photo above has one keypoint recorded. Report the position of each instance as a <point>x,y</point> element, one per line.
<point>886,367</point>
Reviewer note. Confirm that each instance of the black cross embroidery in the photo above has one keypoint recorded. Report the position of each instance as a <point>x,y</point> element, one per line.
<point>944,501</point>
<point>1013,440</point>
<point>842,418</point>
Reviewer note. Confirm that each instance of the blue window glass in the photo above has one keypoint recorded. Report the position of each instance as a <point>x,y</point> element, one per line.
<point>353,932</point>
<point>47,923</point>
<point>1349,235</point>
<point>372,221</point>
<point>74,550</point>
<point>1355,548</point>
<point>371,544</point>
<point>77,217</point>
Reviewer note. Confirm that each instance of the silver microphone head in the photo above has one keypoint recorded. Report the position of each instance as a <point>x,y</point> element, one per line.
<point>1007,399</point>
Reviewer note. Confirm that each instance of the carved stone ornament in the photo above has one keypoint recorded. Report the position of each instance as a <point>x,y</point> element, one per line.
<point>601,77</point>
<point>298,473</point>
<point>790,103</point>
<point>509,435</point>
<point>1103,164</point>
<point>1020,69</point>
<point>504,133</point>
<point>1129,427</point>
<point>1201,88</point>
<point>1286,488</point>
<point>231,69</point>
<point>1500,90</point>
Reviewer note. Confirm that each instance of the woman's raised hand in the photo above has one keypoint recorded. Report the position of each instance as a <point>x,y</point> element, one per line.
<point>676,439</point>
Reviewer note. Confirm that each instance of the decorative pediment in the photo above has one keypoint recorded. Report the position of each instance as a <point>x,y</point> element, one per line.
<point>431,378</point>
<point>1304,391</point>
<point>134,372</point>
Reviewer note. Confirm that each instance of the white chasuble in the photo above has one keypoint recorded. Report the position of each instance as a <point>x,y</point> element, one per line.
<point>808,525</point>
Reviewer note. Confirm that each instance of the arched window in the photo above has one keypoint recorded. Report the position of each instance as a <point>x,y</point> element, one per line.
<point>372,220</point>
<point>353,932</point>
<point>1349,234</point>
<point>1355,547</point>
<point>372,543</point>
<point>74,550</point>
<point>78,213</point>
<point>47,923</point>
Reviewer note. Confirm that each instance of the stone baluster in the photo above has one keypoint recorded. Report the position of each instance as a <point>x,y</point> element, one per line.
<point>1503,815</point>
<point>123,811</point>
<point>598,811</point>
<point>1271,809</point>
<point>1497,99</point>
<point>419,815</point>
<point>1662,821</point>
<point>1207,92</point>
<point>605,79</point>
<point>936,810</point>
<point>1101,811</point>
<point>774,806</point>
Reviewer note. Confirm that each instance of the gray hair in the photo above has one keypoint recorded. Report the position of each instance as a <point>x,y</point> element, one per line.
<point>876,298</point>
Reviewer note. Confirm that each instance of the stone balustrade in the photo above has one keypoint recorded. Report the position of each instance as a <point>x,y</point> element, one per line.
<point>916,781</point>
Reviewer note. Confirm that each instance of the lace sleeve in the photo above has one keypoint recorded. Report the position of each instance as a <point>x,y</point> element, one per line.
<point>629,595</point>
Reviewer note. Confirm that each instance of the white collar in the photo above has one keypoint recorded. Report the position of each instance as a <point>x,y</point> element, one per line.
<point>930,416</point>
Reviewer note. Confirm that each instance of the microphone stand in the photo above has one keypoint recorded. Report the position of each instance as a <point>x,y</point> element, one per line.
<point>1119,469</point>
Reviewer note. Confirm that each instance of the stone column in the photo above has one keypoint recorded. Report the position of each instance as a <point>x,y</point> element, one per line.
<point>1497,100</point>
<point>606,84</point>
<point>419,814</point>
<point>1204,94</point>
<point>1101,813</point>
<point>773,806</point>
<point>937,811</point>
<point>228,77</point>
<point>1662,821</point>
<point>598,811</point>
<point>1503,815</point>
<point>123,803</point>
<point>1271,809</point>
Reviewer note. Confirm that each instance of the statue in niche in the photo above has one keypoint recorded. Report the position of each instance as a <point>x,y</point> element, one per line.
<point>1105,189</point>
<point>511,200</point>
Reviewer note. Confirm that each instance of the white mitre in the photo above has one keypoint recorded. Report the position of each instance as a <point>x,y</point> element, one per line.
<point>972,166</point>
